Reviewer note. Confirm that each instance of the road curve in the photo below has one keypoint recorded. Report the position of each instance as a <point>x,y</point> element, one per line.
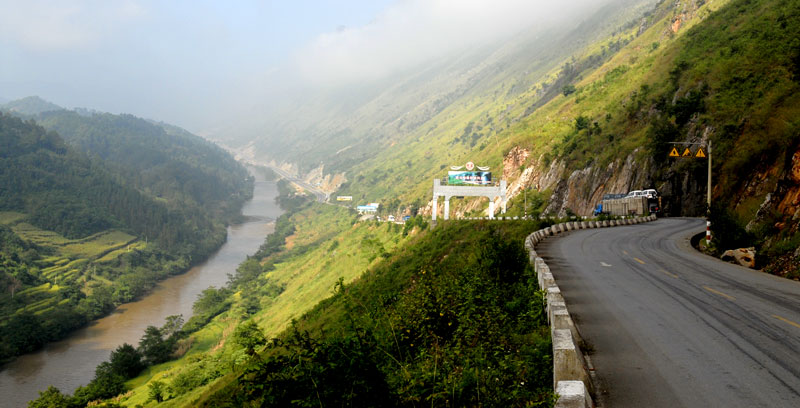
<point>319,194</point>
<point>669,327</point>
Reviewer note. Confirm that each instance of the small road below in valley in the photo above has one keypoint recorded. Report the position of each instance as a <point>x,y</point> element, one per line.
<point>667,326</point>
<point>321,195</point>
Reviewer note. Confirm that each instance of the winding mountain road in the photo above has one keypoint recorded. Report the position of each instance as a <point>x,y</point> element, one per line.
<point>319,194</point>
<point>670,327</point>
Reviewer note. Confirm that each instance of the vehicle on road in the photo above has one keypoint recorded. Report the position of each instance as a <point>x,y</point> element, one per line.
<point>651,193</point>
<point>636,202</point>
<point>597,210</point>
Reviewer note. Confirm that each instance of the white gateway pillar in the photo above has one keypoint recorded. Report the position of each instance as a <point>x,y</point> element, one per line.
<point>491,209</point>
<point>447,207</point>
<point>435,208</point>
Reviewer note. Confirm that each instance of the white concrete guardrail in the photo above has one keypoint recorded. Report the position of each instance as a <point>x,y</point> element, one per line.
<point>571,369</point>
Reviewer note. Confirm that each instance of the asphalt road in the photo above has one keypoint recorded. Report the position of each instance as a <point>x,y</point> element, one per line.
<point>669,327</point>
<point>319,194</point>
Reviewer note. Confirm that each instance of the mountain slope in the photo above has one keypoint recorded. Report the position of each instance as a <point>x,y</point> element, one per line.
<point>340,127</point>
<point>728,77</point>
<point>78,236</point>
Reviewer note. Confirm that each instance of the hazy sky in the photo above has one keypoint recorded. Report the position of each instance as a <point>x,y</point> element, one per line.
<point>186,61</point>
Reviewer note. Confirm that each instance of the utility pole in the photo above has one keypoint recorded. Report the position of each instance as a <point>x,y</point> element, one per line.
<point>708,198</point>
<point>709,177</point>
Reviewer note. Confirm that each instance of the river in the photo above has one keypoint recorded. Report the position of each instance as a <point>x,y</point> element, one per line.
<point>70,363</point>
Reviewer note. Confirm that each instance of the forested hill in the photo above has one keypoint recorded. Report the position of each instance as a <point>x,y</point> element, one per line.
<point>63,190</point>
<point>80,234</point>
<point>31,105</point>
<point>163,161</point>
<point>60,189</point>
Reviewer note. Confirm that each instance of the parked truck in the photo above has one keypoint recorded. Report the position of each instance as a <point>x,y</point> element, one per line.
<point>629,204</point>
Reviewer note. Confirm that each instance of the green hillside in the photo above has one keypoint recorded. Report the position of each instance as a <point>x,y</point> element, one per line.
<point>77,238</point>
<point>165,162</point>
<point>342,126</point>
<point>728,77</point>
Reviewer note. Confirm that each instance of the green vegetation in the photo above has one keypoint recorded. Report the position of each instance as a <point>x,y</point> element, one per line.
<point>453,314</point>
<point>77,238</point>
<point>454,318</point>
<point>31,105</point>
<point>157,345</point>
<point>296,268</point>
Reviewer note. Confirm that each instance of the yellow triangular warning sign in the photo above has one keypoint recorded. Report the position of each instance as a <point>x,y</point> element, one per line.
<point>674,152</point>
<point>700,153</point>
<point>687,152</point>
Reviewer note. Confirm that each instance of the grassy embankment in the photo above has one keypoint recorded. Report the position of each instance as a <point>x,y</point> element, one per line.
<point>453,318</point>
<point>327,245</point>
<point>460,300</point>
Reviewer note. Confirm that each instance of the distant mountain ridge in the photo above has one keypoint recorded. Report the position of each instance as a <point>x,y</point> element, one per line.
<point>31,105</point>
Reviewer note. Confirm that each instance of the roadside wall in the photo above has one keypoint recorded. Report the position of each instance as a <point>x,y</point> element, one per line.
<point>571,367</point>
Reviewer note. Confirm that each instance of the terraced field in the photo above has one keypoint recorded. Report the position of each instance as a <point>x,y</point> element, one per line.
<point>70,263</point>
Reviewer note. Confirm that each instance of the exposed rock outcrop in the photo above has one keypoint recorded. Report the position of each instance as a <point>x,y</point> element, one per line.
<point>784,199</point>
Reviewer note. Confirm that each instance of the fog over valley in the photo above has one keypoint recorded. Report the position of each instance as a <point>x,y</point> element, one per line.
<point>200,65</point>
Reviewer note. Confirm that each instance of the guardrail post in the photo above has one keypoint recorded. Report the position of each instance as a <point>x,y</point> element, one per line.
<point>568,362</point>
<point>573,394</point>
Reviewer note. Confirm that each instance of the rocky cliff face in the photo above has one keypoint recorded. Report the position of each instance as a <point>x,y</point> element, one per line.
<point>781,206</point>
<point>683,187</point>
<point>328,183</point>
<point>682,184</point>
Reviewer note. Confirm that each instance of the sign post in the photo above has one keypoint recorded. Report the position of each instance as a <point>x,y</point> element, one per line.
<point>700,154</point>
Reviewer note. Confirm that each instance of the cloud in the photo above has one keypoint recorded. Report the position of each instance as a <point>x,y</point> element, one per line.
<point>47,26</point>
<point>414,31</point>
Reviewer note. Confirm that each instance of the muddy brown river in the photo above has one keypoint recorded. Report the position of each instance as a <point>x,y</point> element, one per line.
<point>70,363</point>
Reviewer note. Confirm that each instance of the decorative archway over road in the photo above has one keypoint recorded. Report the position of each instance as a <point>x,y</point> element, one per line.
<point>467,191</point>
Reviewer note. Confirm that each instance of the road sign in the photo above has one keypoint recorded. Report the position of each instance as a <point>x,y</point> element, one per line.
<point>674,152</point>
<point>700,153</point>
<point>687,153</point>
